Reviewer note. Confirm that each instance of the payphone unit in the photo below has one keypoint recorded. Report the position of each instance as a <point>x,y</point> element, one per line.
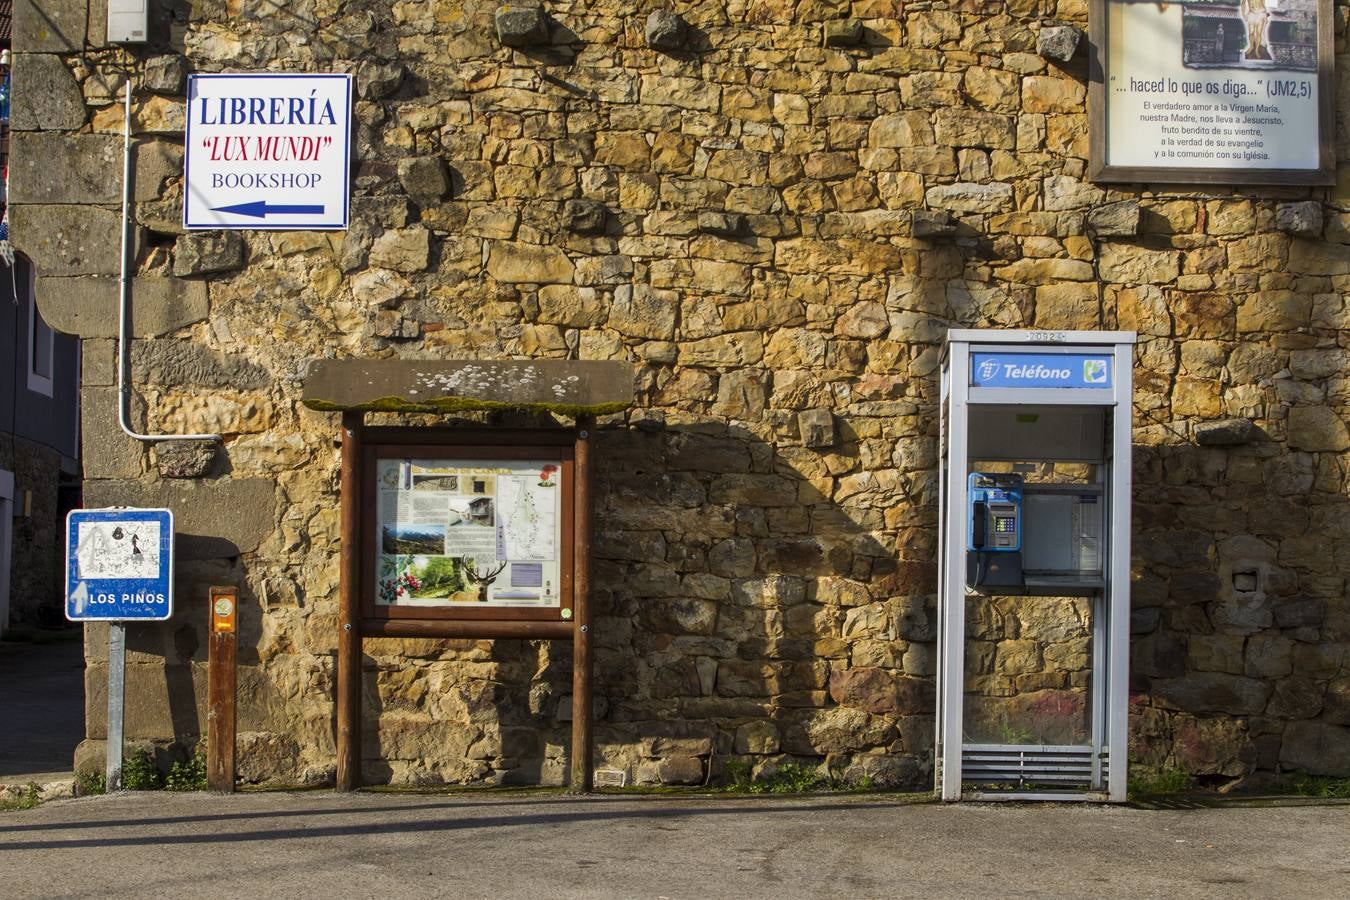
<point>1035,534</point>
<point>994,536</point>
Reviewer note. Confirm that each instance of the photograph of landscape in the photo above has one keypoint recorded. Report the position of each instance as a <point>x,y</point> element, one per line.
<point>412,539</point>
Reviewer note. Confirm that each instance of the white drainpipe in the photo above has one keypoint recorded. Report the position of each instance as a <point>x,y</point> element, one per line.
<point>124,336</point>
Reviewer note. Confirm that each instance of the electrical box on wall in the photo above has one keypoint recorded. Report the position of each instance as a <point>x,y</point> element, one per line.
<point>128,21</point>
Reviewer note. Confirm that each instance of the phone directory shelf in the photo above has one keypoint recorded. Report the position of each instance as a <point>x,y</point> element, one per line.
<point>1035,529</point>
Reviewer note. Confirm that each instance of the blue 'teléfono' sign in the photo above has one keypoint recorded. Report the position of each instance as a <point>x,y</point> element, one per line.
<point>119,564</point>
<point>1041,370</point>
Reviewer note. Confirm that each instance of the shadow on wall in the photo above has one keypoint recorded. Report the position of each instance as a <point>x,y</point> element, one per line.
<point>749,615</point>
<point>1241,619</point>
<point>166,663</point>
<point>741,615</point>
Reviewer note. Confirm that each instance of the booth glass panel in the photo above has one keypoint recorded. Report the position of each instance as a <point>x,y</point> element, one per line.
<point>1028,673</point>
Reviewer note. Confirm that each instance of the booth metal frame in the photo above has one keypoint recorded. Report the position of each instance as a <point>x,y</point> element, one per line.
<point>1096,771</point>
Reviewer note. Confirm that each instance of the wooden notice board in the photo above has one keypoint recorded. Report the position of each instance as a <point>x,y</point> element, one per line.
<point>472,532</point>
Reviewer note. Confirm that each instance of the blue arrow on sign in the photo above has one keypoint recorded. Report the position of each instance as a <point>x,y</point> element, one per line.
<point>261,209</point>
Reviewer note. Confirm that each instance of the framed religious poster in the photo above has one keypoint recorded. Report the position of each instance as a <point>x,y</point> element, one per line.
<point>471,532</point>
<point>1212,91</point>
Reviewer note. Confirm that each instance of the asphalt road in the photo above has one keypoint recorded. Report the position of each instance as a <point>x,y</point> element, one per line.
<point>262,845</point>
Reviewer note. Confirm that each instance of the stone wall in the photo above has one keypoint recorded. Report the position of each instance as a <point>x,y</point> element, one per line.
<point>36,547</point>
<point>776,234</point>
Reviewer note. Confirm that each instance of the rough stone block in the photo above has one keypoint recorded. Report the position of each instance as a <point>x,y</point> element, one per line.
<point>1213,692</point>
<point>1317,428</point>
<point>957,127</point>
<point>91,757</point>
<point>185,459</point>
<point>103,88</point>
<point>50,26</point>
<point>165,74</point>
<point>1225,432</point>
<point>642,311</point>
<point>375,81</point>
<point>1316,748</point>
<point>265,756</point>
<point>1300,613</point>
<point>666,30</point>
<point>107,450</point>
<point>179,363</point>
<point>585,216</point>
<point>1145,621</point>
<point>1058,42</point>
<point>844,33</point>
<point>680,770</point>
<point>97,361</point>
<point>722,224</point>
<point>153,694</point>
<point>521,26</point>
<point>816,427</point>
<point>931,223</point>
<point>68,239</point>
<point>51,167</point>
<point>971,197</point>
<point>514,262</point>
<point>425,178</point>
<point>208,252</point>
<point>235,514</point>
<point>840,728</point>
<point>46,96</point>
<point>757,737</point>
<point>88,305</point>
<point>402,249</point>
<point>97,32</point>
<point>1119,219</point>
<point>1300,219</point>
<point>155,162</point>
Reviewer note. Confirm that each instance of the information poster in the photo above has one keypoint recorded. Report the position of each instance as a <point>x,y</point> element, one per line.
<point>1203,84</point>
<point>468,532</point>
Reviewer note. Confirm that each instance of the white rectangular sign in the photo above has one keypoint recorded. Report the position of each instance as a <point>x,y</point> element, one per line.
<point>1214,91</point>
<point>267,152</point>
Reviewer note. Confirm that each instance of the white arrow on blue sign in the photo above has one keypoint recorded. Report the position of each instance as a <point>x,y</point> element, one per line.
<point>267,151</point>
<point>119,564</point>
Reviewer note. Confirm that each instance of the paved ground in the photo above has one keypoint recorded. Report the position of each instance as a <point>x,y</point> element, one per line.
<point>541,846</point>
<point>41,708</point>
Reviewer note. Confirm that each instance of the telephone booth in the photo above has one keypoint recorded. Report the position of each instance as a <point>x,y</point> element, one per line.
<point>1034,578</point>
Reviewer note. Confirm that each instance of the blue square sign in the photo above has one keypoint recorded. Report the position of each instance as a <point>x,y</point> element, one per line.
<point>119,565</point>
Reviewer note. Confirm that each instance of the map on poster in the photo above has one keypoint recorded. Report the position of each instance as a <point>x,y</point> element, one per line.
<point>1218,84</point>
<point>453,532</point>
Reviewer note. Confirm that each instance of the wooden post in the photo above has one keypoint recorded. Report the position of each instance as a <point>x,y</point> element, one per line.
<point>349,610</point>
<point>221,690</point>
<point>582,749</point>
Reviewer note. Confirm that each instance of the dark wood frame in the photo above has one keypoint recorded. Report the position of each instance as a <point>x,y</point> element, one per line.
<point>403,443</point>
<point>1098,138</point>
<point>357,489</point>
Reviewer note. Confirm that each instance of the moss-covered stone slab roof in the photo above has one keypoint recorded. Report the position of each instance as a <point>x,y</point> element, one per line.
<point>563,386</point>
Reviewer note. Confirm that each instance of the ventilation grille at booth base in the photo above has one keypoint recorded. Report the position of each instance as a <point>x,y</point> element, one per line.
<point>1061,766</point>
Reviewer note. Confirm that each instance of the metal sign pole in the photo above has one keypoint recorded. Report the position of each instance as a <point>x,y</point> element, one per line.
<point>117,679</point>
<point>119,569</point>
